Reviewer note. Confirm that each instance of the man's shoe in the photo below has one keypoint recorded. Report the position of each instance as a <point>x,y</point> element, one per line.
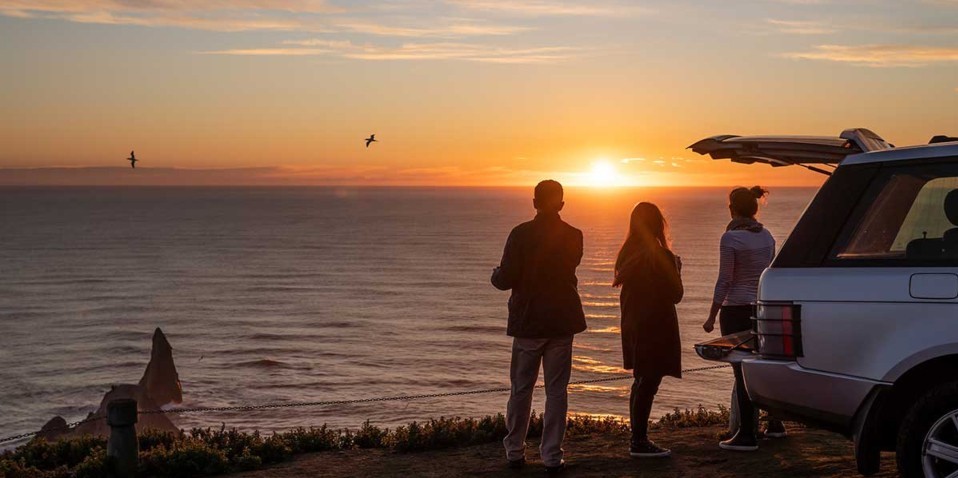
<point>555,470</point>
<point>740,442</point>
<point>648,449</point>
<point>775,429</point>
<point>517,464</point>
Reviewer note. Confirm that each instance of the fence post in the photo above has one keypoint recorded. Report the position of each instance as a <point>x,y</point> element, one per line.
<point>122,447</point>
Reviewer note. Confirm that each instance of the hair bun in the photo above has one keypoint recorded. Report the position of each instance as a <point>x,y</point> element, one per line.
<point>758,192</point>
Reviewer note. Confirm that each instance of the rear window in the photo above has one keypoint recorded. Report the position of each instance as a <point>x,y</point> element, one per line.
<point>908,217</point>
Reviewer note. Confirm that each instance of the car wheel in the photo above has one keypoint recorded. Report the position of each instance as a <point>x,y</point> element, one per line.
<point>928,437</point>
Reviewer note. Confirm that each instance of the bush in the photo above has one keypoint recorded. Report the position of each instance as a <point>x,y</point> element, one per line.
<point>303,440</point>
<point>701,417</point>
<point>151,438</point>
<point>370,436</point>
<point>187,458</point>
<point>96,465</point>
<point>207,451</point>
<point>44,455</point>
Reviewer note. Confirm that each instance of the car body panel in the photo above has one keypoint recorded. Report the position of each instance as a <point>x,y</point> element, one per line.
<point>788,387</point>
<point>861,331</point>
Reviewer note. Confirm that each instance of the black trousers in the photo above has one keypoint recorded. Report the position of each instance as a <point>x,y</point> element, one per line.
<point>732,319</point>
<point>640,405</point>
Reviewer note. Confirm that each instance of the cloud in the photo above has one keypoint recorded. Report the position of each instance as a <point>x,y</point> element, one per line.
<point>550,7</point>
<point>800,27</point>
<point>215,15</point>
<point>411,51</point>
<point>880,55</point>
<point>455,30</point>
<point>267,176</point>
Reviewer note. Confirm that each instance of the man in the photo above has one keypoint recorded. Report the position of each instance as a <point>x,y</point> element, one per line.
<point>545,311</point>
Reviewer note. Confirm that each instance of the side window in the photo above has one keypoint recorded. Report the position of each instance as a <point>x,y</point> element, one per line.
<point>910,217</point>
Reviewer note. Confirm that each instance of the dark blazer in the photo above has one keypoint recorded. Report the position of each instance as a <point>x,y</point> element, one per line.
<point>539,264</point>
<point>651,286</point>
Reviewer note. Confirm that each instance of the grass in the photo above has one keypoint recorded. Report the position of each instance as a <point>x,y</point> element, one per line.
<point>208,452</point>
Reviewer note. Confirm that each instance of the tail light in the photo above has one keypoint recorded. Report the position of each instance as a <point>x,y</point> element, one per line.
<point>778,327</point>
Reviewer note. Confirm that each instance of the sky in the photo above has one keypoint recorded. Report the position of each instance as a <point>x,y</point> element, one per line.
<point>458,92</point>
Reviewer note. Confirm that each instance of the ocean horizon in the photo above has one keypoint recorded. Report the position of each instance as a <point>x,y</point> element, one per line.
<point>272,294</point>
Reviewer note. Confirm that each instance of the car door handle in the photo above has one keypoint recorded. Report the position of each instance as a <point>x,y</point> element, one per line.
<point>933,286</point>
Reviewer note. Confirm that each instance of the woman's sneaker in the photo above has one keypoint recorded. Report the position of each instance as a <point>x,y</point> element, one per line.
<point>740,442</point>
<point>648,449</point>
<point>775,429</point>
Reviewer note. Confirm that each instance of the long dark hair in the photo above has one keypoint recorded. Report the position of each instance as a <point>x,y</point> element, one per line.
<point>648,229</point>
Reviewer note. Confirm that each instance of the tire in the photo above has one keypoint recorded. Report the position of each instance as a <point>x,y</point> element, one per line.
<point>933,419</point>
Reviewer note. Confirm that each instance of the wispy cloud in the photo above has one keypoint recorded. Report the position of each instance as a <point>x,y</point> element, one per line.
<point>215,15</point>
<point>551,7</point>
<point>800,27</point>
<point>410,51</point>
<point>453,30</point>
<point>269,176</point>
<point>880,55</point>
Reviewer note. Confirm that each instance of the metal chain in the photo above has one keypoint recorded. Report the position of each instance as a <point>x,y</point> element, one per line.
<point>66,427</point>
<point>273,406</point>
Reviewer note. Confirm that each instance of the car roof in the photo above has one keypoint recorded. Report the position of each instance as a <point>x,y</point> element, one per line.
<point>937,150</point>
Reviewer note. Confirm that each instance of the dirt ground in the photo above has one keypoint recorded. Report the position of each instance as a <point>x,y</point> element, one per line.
<point>695,453</point>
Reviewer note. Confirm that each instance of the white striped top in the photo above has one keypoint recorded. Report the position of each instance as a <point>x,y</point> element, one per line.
<point>743,256</point>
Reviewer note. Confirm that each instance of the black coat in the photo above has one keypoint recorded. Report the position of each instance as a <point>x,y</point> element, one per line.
<point>539,264</point>
<point>651,286</point>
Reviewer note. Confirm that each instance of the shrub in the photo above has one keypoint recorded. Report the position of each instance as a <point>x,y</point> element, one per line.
<point>701,417</point>
<point>207,451</point>
<point>272,449</point>
<point>188,458</point>
<point>370,436</point>
<point>303,440</point>
<point>151,438</point>
<point>96,465</point>
<point>44,455</point>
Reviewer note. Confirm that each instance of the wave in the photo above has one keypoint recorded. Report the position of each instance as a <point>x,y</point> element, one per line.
<point>596,303</point>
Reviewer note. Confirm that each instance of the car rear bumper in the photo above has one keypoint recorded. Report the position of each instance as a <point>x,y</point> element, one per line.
<point>792,392</point>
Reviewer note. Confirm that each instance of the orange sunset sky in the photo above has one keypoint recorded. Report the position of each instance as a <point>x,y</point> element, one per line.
<point>482,92</point>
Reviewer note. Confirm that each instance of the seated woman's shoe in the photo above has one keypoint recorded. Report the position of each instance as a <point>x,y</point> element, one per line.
<point>648,449</point>
<point>775,429</point>
<point>740,442</point>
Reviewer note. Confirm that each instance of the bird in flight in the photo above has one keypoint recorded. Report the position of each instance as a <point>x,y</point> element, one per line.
<point>132,159</point>
<point>370,139</point>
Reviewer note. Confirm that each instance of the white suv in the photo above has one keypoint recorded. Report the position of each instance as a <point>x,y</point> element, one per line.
<point>857,317</point>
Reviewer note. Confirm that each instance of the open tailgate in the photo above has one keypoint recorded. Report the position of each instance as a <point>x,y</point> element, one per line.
<point>805,151</point>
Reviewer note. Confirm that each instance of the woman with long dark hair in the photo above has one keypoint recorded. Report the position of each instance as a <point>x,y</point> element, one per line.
<point>649,275</point>
<point>746,249</point>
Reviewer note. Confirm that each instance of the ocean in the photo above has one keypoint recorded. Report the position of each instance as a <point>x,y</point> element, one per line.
<point>309,294</point>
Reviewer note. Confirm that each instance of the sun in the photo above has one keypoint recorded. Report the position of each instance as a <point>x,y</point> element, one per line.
<point>604,175</point>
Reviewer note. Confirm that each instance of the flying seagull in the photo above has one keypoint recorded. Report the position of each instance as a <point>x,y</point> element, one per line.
<point>370,139</point>
<point>132,159</point>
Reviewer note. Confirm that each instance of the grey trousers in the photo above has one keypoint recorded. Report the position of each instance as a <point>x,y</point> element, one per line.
<point>555,355</point>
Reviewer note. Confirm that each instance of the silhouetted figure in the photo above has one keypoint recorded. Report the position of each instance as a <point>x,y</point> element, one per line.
<point>132,159</point>
<point>545,312</point>
<point>370,139</point>
<point>650,277</point>
<point>746,249</point>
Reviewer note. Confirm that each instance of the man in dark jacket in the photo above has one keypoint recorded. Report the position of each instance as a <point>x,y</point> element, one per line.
<point>545,312</point>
